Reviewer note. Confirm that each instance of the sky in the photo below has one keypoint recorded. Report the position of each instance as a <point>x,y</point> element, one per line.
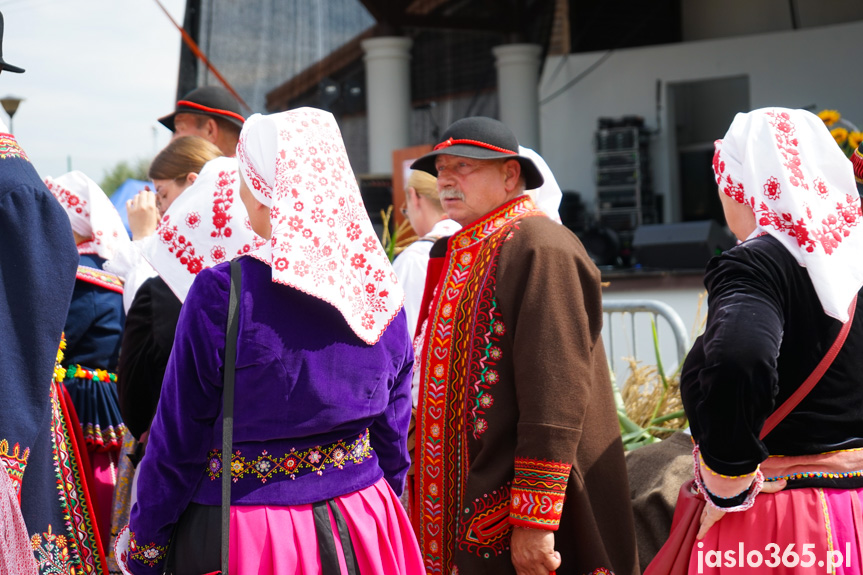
<point>99,73</point>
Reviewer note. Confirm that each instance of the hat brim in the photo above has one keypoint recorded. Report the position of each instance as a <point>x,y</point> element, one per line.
<point>168,121</point>
<point>10,68</point>
<point>532,176</point>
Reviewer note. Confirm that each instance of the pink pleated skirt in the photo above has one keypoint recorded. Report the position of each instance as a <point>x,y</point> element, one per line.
<point>268,540</point>
<point>795,531</point>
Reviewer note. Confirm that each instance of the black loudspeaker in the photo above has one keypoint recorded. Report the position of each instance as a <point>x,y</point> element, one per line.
<point>684,245</point>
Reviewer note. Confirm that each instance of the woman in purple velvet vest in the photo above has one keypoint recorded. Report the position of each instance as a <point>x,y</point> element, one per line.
<point>322,398</point>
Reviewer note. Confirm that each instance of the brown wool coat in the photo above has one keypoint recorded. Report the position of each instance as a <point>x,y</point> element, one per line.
<point>553,402</point>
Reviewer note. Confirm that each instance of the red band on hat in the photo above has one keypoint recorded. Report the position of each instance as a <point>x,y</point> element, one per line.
<point>210,110</point>
<point>857,162</point>
<point>451,142</point>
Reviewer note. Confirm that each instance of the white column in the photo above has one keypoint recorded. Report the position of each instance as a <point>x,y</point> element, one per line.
<point>388,98</point>
<point>518,90</point>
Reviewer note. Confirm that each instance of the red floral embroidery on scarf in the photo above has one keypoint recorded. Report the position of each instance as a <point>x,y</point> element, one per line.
<point>178,245</point>
<point>809,234</point>
<point>224,197</point>
<point>787,144</point>
<point>68,199</point>
<point>772,189</point>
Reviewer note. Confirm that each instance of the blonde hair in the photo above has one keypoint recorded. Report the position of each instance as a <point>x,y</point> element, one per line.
<point>181,157</point>
<point>425,185</point>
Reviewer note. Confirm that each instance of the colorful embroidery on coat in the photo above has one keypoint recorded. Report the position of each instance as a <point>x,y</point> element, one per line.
<point>538,492</point>
<point>100,278</point>
<point>53,554</point>
<point>488,331</point>
<point>317,459</point>
<point>445,369</point>
<point>15,463</point>
<point>486,525</point>
<point>149,555</point>
<point>9,148</point>
<point>81,534</point>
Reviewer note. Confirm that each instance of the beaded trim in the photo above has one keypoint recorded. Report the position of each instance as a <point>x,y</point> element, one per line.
<point>748,502</point>
<point>750,474</point>
<point>316,459</point>
<point>86,373</point>
<point>817,475</point>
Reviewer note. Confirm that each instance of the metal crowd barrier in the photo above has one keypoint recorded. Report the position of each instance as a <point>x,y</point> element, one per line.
<point>636,306</point>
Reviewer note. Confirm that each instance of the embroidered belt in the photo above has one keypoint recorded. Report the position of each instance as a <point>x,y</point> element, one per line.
<point>842,464</point>
<point>266,466</point>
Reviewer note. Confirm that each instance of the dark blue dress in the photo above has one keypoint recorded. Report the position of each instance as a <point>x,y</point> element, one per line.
<point>38,260</point>
<point>94,328</point>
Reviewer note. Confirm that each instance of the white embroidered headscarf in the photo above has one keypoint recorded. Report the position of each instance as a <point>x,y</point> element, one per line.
<point>206,225</point>
<point>322,240</point>
<point>91,214</point>
<point>785,165</point>
<point>547,197</point>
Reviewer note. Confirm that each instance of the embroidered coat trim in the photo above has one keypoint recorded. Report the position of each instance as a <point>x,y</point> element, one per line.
<point>100,278</point>
<point>445,366</point>
<point>9,148</point>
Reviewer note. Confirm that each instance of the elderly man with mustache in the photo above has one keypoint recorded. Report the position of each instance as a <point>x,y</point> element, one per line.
<point>520,461</point>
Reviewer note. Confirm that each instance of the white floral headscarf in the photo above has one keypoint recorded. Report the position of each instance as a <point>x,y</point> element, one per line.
<point>206,225</point>
<point>91,214</point>
<point>785,165</point>
<point>322,240</point>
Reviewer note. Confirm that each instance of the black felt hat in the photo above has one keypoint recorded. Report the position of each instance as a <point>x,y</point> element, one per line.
<point>4,67</point>
<point>213,101</point>
<point>481,138</point>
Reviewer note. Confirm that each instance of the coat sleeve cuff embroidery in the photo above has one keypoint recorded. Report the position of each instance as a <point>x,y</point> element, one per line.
<point>538,491</point>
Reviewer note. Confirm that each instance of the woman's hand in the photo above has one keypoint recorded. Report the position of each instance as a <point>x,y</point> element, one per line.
<point>712,514</point>
<point>143,214</point>
<point>532,551</point>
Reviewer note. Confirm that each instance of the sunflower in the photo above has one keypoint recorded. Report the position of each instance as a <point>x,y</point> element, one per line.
<point>829,117</point>
<point>855,139</point>
<point>840,135</point>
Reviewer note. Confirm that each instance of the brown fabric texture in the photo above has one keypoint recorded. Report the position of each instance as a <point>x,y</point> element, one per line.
<point>553,402</point>
<point>656,473</point>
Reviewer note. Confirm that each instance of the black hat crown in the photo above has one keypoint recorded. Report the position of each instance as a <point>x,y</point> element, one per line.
<point>481,138</point>
<point>213,101</point>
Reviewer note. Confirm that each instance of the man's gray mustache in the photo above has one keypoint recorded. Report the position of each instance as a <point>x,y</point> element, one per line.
<point>451,195</point>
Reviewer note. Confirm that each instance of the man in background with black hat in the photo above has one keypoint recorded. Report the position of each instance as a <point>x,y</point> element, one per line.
<point>210,112</point>
<point>520,464</point>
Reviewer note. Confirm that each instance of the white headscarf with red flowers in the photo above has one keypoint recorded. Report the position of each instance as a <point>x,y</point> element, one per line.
<point>322,240</point>
<point>91,214</point>
<point>206,225</point>
<point>785,165</point>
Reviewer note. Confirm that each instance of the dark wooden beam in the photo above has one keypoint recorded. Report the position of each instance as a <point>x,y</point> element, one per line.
<point>386,11</point>
<point>447,23</point>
